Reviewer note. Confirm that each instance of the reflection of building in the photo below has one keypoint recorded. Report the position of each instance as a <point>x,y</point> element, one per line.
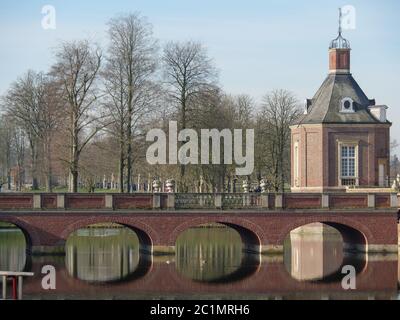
<point>342,139</point>
<point>316,251</point>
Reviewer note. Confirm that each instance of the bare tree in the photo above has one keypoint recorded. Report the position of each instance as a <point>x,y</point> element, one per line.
<point>393,145</point>
<point>23,102</point>
<point>394,160</point>
<point>243,106</point>
<point>238,114</point>
<point>279,110</point>
<point>116,103</point>
<point>76,71</point>
<point>7,129</point>
<point>188,73</point>
<point>131,64</point>
<point>51,118</point>
<point>18,139</point>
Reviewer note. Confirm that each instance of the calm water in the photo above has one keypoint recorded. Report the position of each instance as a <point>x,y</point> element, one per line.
<point>209,262</point>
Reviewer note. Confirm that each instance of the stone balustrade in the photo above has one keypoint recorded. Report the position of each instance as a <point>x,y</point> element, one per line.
<point>197,201</point>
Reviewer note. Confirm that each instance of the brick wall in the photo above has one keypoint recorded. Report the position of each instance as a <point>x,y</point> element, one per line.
<point>271,228</point>
<point>318,154</point>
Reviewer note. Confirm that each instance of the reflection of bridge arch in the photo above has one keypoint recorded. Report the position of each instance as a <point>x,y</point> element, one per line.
<point>144,267</point>
<point>333,275</point>
<point>359,264</point>
<point>147,236</point>
<point>251,234</point>
<point>141,230</point>
<point>250,264</point>
<point>354,234</point>
<point>163,281</point>
<point>329,267</point>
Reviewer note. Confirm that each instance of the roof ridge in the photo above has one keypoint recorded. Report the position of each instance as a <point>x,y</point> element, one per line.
<point>330,94</point>
<point>313,99</point>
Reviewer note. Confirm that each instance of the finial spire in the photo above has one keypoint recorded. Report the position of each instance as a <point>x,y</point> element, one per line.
<point>340,42</point>
<point>340,21</point>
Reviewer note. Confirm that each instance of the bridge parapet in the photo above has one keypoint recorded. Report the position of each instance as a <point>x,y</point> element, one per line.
<point>196,201</point>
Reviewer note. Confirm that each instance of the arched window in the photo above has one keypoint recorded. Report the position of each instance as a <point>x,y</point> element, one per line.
<point>296,165</point>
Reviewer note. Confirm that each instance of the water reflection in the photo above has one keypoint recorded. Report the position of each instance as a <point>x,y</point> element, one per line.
<point>316,252</point>
<point>102,254</point>
<point>12,248</point>
<point>213,253</point>
<point>313,252</point>
<point>209,263</point>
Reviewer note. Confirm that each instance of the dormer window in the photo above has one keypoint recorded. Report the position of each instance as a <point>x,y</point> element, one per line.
<point>347,105</point>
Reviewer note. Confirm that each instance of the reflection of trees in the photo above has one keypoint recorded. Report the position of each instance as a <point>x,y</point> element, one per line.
<point>102,255</point>
<point>12,249</point>
<point>209,253</point>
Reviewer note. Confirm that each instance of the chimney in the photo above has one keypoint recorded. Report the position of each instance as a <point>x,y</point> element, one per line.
<point>379,112</point>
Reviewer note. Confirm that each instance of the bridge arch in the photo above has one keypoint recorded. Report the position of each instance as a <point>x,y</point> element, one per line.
<point>147,236</point>
<point>243,266</point>
<point>355,235</point>
<point>30,233</point>
<point>253,237</point>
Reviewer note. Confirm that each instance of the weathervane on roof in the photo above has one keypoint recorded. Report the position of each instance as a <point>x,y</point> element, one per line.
<point>340,42</point>
<point>340,21</point>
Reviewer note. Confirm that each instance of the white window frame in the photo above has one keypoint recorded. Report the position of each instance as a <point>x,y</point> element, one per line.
<point>356,162</point>
<point>343,109</point>
<point>296,164</point>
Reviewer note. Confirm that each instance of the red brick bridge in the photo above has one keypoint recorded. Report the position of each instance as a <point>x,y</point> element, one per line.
<point>367,222</point>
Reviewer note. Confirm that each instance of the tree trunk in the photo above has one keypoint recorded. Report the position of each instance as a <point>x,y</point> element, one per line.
<point>74,168</point>
<point>47,147</point>
<point>182,183</point>
<point>8,160</point>
<point>121,158</point>
<point>121,173</point>
<point>9,179</point>
<point>129,154</point>
<point>73,186</point>
<point>49,187</point>
<point>34,156</point>
<point>129,130</point>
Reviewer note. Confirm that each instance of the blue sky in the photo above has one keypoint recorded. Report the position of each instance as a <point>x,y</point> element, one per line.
<point>256,45</point>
